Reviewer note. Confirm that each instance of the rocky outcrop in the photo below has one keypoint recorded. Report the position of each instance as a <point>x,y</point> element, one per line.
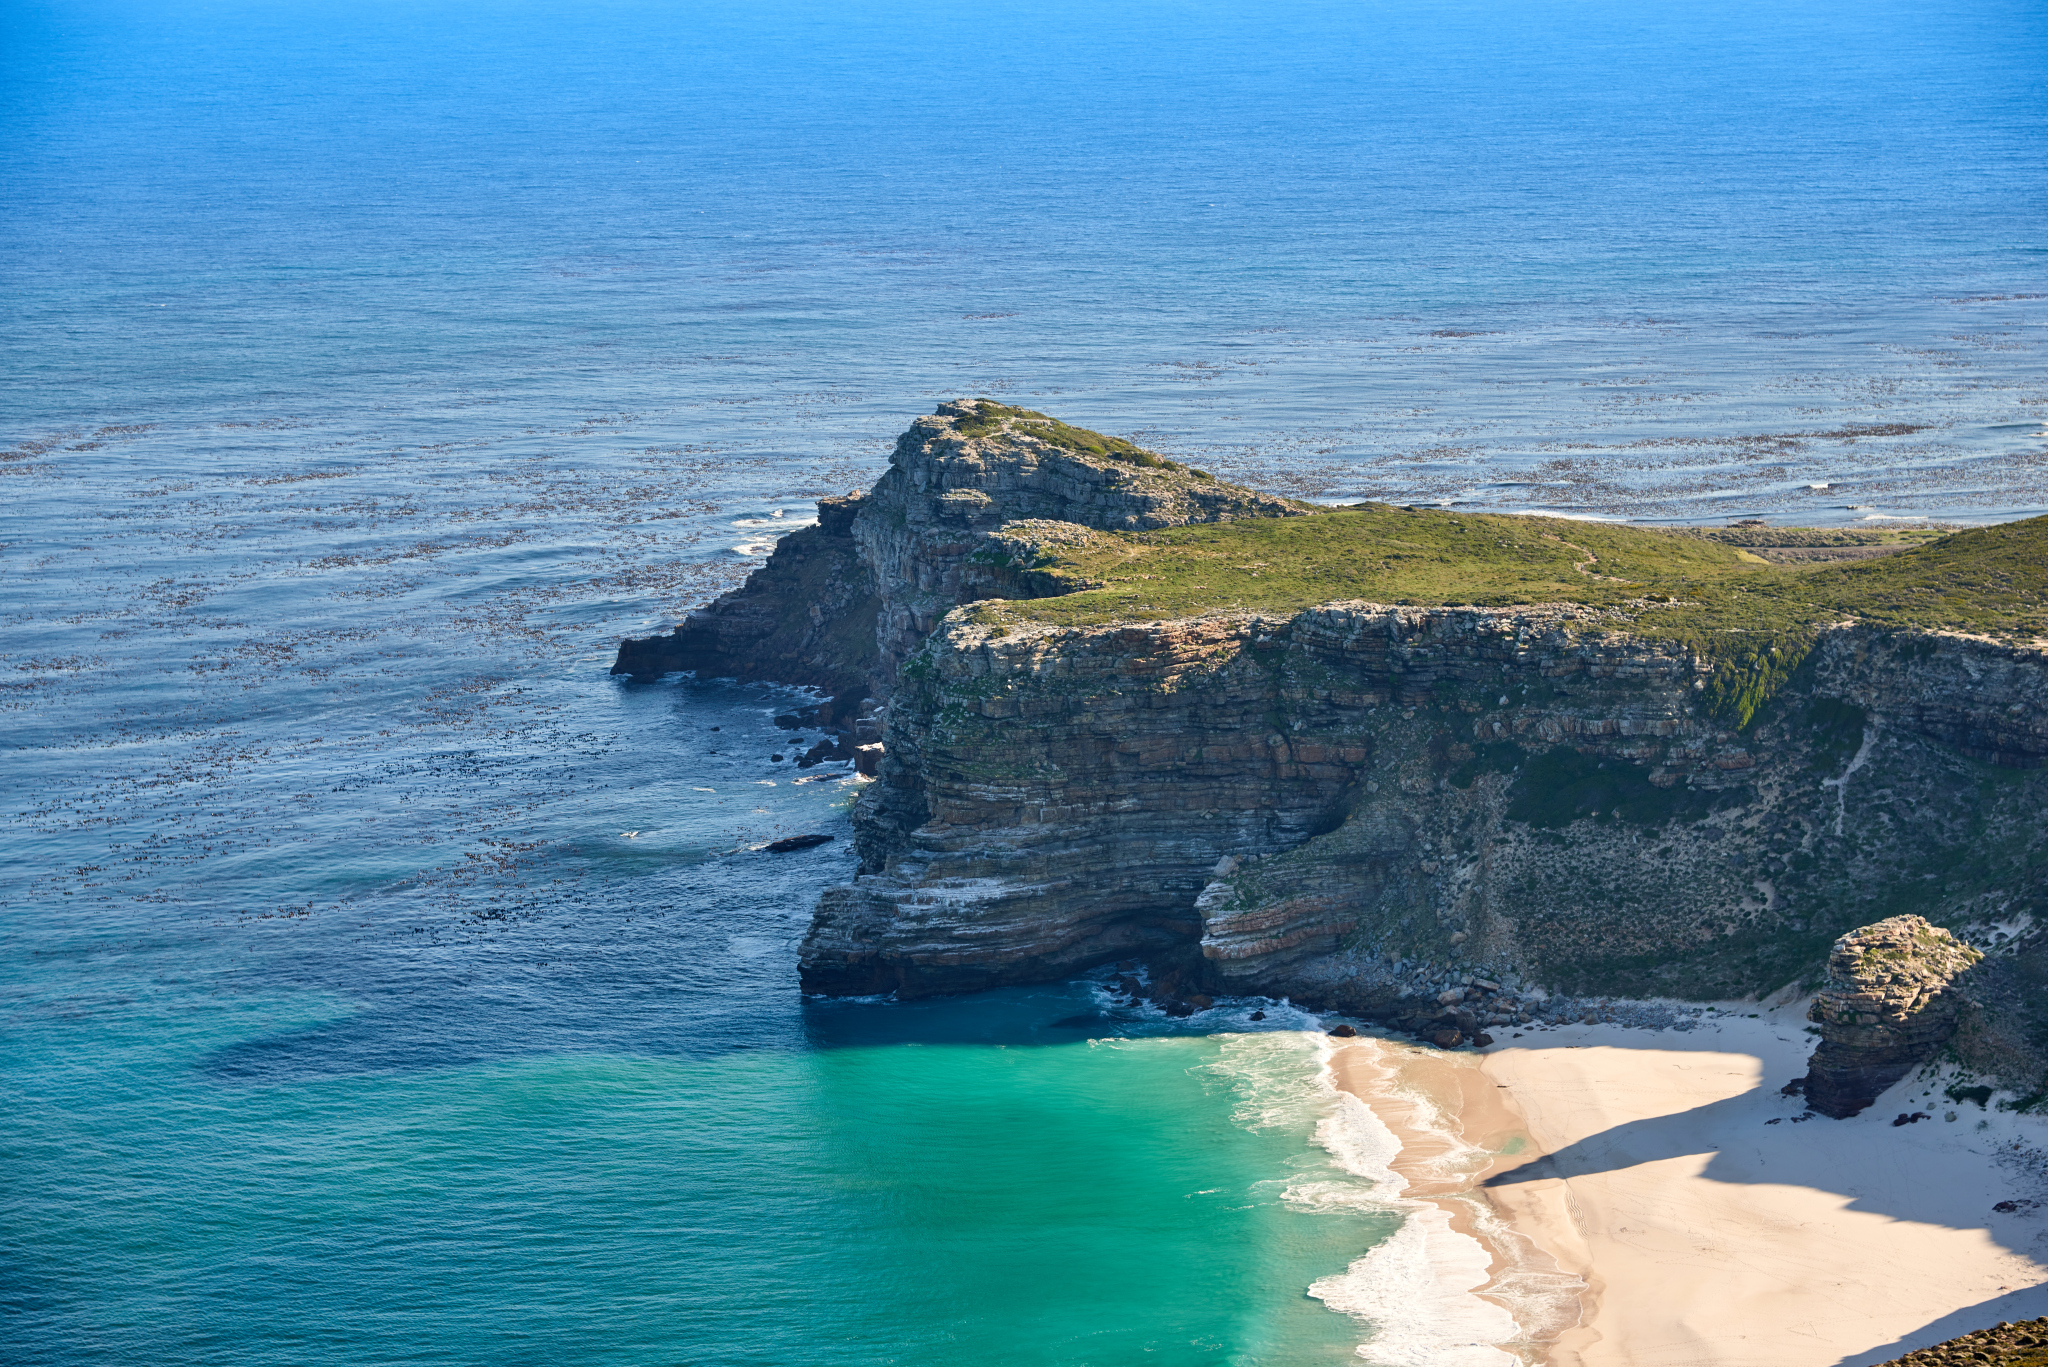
<point>1889,1003</point>
<point>934,531</point>
<point>806,617</point>
<point>1411,802</point>
<point>841,605</point>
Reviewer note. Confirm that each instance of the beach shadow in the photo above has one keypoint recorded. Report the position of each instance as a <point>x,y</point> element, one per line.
<point>1876,1167</point>
<point>1822,1154</point>
<point>1638,1142</point>
<point>2025,1304</point>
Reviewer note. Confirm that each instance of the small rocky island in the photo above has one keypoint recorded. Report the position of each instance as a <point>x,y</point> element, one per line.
<point>1418,765</point>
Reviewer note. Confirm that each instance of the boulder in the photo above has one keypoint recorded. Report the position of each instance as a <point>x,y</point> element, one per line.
<point>824,750</point>
<point>1888,1004</point>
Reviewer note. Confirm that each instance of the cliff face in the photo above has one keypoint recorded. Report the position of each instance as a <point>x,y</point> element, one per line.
<point>1430,815</point>
<point>806,617</point>
<point>1414,796</point>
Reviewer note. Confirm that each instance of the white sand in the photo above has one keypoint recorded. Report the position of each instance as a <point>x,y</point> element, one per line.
<point>1708,1237</point>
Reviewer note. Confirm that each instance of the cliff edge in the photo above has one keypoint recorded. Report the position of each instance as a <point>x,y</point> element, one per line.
<point>840,605</point>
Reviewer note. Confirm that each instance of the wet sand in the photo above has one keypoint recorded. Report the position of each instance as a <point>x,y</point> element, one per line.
<point>1498,1297</point>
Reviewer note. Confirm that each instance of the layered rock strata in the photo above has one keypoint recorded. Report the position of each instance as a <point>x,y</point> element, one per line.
<point>1409,802</point>
<point>1890,1002</point>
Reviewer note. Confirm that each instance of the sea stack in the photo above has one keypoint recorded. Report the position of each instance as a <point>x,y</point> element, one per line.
<point>1889,1003</point>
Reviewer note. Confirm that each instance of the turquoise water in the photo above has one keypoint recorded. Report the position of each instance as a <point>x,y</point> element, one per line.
<point>384,982</point>
<point>946,1184</point>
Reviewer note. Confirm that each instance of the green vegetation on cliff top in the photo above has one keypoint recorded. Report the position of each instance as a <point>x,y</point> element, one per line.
<point>1755,620</point>
<point>995,417</point>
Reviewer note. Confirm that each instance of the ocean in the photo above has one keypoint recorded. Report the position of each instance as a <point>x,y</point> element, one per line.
<point>385,982</point>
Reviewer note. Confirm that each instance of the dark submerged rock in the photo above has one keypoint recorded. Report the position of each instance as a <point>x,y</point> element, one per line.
<point>822,751</point>
<point>797,842</point>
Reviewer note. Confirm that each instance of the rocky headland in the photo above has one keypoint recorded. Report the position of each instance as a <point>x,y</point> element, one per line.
<point>1426,767</point>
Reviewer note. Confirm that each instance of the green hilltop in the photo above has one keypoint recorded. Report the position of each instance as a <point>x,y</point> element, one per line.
<point>1754,618</point>
<point>995,419</point>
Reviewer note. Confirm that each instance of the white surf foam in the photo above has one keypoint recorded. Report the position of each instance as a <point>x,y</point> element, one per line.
<point>1427,1294</point>
<point>1279,1079</point>
<point>1542,1301</point>
<point>1416,1289</point>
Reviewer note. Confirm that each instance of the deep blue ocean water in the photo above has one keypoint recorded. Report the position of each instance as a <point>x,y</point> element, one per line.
<point>370,369</point>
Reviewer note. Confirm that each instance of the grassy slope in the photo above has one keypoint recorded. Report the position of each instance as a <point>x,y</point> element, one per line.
<point>1755,620</point>
<point>1749,534</point>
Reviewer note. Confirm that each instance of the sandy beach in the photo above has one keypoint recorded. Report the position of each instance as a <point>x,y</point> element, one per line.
<point>1598,1196</point>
